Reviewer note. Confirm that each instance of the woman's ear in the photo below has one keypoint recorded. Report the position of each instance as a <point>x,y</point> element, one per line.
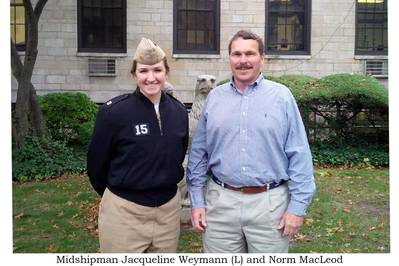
<point>133,75</point>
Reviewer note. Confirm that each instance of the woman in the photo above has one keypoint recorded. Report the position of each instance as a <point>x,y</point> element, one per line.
<point>135,161</point>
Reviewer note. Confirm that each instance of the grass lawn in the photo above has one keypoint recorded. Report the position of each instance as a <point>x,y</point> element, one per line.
<point>349,214</point>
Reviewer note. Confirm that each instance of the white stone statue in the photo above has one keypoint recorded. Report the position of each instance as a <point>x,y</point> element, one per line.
<point>205,83</point>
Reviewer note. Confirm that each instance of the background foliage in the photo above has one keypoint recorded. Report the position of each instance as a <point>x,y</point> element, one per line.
<point>70,119</point>
<point>345,115</point>
<point>66,113</point>
<point>345,106</point>
<point>41,158</point>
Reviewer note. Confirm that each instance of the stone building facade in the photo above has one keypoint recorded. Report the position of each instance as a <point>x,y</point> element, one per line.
<point>61,66</point>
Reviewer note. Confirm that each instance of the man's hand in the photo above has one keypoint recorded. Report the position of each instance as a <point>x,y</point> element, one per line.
<point>198,219</point>
<point>290,224</point>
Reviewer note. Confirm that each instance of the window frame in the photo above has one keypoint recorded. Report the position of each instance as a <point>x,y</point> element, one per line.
<point>372,53</point>
<point>214,51</point>
<point>82,49</point>
<point>20,47</point>
<point>307,29</point>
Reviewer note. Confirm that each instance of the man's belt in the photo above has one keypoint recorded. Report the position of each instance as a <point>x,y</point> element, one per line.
<point>249,189</point>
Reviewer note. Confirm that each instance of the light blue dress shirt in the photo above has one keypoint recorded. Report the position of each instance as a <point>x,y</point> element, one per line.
<point>252,138</point>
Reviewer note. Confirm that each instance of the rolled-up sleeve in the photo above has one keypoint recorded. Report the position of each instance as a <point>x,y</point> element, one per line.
<point>301,183</point>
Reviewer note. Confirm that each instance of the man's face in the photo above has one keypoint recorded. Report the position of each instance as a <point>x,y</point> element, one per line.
<point>245,61</point>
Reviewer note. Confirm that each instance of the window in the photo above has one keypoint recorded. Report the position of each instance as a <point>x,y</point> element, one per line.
<point>288,27</point>
<point>371,27</point>
<point>102,26</point>
<point>196,26</point>
<point>17,24</point>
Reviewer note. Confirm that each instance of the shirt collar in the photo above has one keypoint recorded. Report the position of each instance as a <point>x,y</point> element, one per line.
<point>252,86</point>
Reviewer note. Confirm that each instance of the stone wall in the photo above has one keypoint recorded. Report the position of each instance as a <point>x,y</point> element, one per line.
<point>60,67</point>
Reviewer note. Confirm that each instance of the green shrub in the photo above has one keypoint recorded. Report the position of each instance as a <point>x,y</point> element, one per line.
<point>340,98</point>
<point>65,113</point>
<point>223,81</point>
<point>348,88</point>
<point>85,132</point>
<point>328,154</point>
<point>296,83</point>
<point>41,158</point>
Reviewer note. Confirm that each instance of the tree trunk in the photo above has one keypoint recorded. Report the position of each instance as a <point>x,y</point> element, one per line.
<point>22,110</point>
<point>28,115</point>
<point>36,113</point>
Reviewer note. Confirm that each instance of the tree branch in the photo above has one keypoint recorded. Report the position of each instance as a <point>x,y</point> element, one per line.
<point>16,64</point>
<point>28,11</point>
<point>355,113</point>
<point>39,8</point>
<point>31,38</point>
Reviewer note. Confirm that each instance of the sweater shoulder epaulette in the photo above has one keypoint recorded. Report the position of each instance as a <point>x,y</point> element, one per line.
<point>114,101</point>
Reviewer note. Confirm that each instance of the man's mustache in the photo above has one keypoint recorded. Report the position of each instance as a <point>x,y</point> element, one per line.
<point>243,66</point>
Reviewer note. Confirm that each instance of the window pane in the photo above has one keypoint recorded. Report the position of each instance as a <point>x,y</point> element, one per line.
<point>181,38</point>
<point>20,34</point>
<point>182,4</point>
<point>102,25</point>
<point>371,26</point>
<point>191,4</point>
<point>117,14</point>
<point>20,15</point>
<point>118,3</point>
<point>182,20</point>
<point>108,3</point>
<point>286,25</point>
<point>191,20</point>
<point>12,32</point>
<point>17,24</point>
<point>87,3</point>
<point>196,25</point>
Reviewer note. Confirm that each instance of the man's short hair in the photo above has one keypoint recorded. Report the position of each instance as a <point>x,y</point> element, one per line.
<point>247,35</point>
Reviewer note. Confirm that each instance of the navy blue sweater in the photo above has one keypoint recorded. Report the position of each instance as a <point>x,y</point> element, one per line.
<point>131,155</point>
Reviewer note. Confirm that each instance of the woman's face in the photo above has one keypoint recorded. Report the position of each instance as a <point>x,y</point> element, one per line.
<point>150,78</point>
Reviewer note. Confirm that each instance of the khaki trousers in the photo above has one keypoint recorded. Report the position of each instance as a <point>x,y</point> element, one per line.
<point>244,223</point>
<point>127,227</point>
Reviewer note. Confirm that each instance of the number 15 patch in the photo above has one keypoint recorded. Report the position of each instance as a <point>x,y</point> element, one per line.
<point>142,129</point>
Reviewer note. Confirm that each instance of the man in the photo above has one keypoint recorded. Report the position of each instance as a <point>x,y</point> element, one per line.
<point>252,143</point>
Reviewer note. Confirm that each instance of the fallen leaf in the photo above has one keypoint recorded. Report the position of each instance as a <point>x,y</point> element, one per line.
<point>19,215</point>
<point>347,210</point>
<point>308,221</point>
<point>51,248</point>
<point>301,238</point>
<point>335,229</point>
